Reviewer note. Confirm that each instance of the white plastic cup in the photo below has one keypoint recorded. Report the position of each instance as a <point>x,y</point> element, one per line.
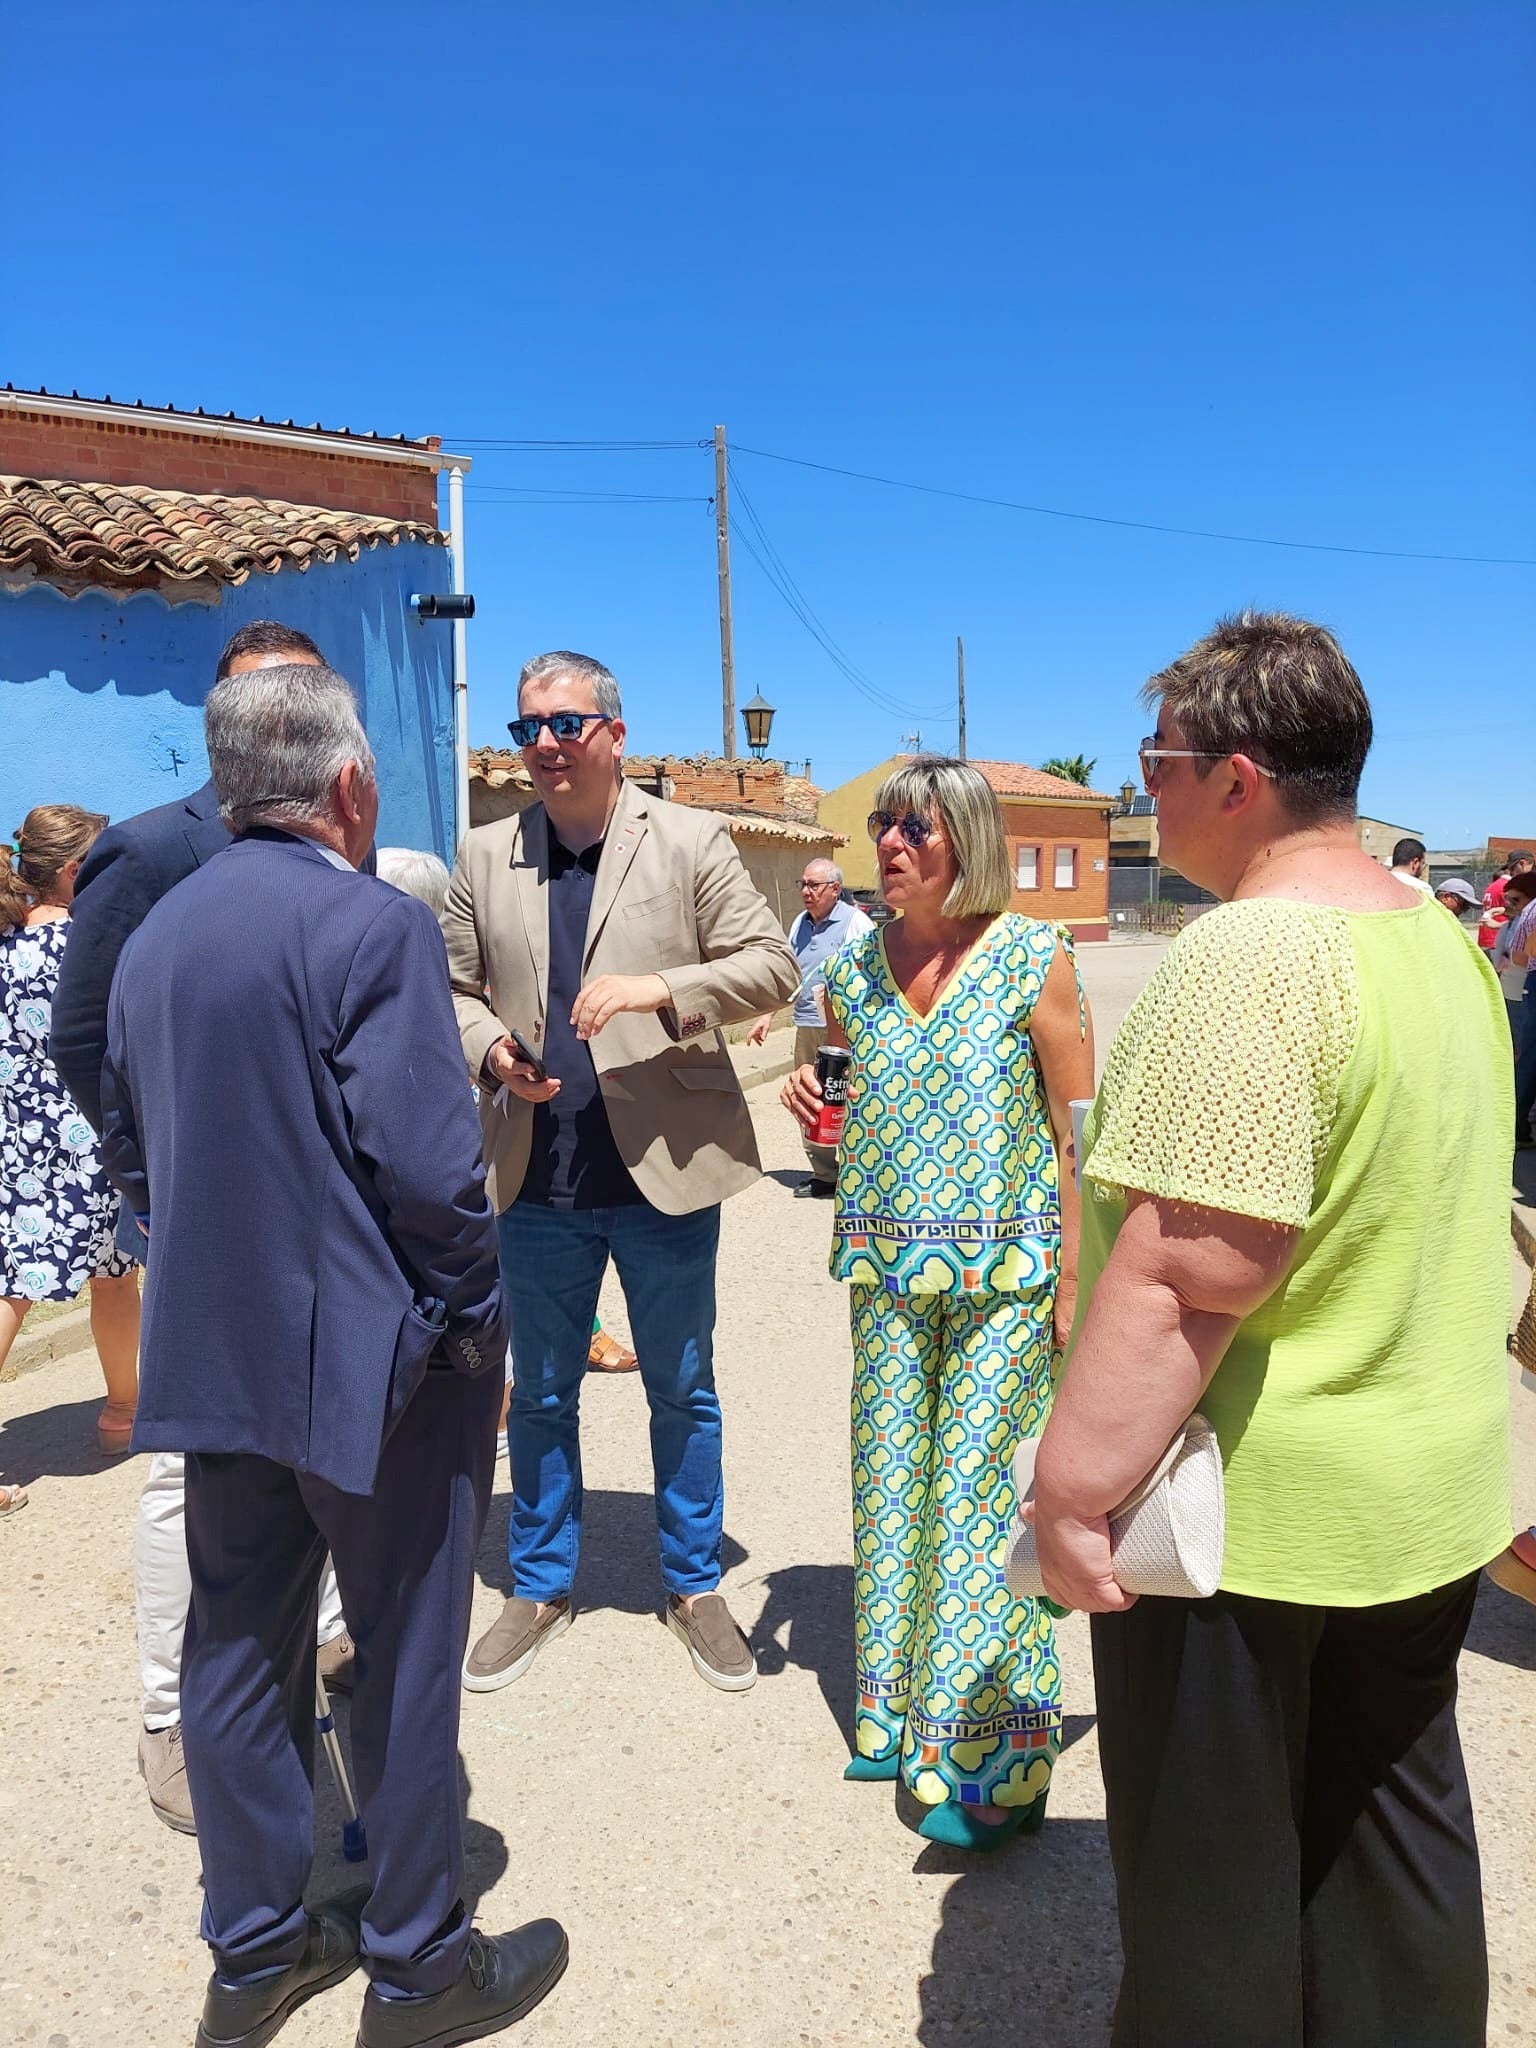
<point>1079,1108</point>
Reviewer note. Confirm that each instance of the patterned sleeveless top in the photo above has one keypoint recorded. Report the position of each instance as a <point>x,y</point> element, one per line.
<point>946,1178</point>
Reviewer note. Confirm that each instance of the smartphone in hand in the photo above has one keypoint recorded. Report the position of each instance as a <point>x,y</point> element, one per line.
<point>526,1053</point>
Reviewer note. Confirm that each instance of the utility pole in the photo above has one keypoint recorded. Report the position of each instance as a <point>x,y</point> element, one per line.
<point>960,660</point>
<point>727,641</point>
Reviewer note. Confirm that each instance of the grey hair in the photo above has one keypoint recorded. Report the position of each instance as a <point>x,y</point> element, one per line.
<point>277,740</point>
<point>834,872</point>
<point>545,667</point>
<point>959,798</point>
<point>415,874</point>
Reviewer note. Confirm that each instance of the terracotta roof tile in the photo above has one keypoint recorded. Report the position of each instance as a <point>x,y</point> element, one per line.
<point>135,534</point>
<point>1013,778</point>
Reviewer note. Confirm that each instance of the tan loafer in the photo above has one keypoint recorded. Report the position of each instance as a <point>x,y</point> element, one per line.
<point>721,1654</point>
<point>512,1641</point>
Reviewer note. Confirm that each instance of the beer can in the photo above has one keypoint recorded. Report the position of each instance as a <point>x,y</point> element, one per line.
<point>832,1065</point>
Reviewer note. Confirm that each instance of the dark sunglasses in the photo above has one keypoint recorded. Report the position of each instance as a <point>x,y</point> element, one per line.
<point>565,725</point>
<point>914,830</point>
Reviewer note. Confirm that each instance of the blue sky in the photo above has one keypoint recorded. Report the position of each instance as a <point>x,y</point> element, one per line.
<point>1252,270</point>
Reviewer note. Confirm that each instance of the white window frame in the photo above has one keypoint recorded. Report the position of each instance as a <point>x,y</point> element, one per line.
<point>1019,854</point>
<point>1070,854</point>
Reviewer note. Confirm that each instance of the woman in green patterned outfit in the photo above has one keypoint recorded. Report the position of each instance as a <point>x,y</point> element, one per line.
<point>956,1228</point>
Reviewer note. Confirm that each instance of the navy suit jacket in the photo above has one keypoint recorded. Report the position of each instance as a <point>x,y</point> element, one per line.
<point>284,1098</point>
<point>126,872</point>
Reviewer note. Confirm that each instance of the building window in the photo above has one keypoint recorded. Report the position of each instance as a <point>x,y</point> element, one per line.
<point>1027,872</point>
<point>1066,867</point>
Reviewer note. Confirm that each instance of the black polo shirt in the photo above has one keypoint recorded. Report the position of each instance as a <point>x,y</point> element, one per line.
<point>574,1163</point>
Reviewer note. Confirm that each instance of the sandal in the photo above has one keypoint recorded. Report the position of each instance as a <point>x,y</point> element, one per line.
<point>12,1499</point>
<point>1515,1569</point>
<point>607,1354</point>
<point>114,1430</point>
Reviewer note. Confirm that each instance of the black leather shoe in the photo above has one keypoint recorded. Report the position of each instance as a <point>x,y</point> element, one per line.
<point>248,2016</point>
<point>503,1980</point>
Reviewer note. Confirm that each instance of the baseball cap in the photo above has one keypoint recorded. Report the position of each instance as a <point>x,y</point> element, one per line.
<point>1453,885</point>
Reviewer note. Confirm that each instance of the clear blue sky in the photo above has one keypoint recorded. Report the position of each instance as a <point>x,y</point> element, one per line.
<point>1264,271</point>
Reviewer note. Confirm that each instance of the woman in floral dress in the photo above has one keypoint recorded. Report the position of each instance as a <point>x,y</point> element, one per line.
<point>956,1229</point>
<point>57,1209</point>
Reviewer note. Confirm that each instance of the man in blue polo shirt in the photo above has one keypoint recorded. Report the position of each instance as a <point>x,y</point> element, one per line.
<point>824,926</point>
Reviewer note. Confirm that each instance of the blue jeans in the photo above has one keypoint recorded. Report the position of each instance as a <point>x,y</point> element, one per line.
<point>552,1263</point>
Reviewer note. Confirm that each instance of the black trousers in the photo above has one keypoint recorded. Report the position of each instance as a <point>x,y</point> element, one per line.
<point>1290,1824</point>
<point>257,1534</point>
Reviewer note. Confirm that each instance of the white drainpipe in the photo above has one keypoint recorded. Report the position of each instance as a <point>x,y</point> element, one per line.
<point>460,659</point>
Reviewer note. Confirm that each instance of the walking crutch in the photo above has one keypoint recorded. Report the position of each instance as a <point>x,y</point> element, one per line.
<point>354,1842</point>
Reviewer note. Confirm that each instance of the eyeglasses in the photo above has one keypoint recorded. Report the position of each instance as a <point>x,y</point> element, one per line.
<point>914,830</point>
<point>808,882</point>
<point>565,725</point>
<point>1151,757</point>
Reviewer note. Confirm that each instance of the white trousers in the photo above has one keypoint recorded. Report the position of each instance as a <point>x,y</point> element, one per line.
<point>162,1585</point>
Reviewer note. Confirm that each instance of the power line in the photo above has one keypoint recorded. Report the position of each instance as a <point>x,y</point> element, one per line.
<point>776,570</point>
<point>1253,540</point>
<point>566,447</point>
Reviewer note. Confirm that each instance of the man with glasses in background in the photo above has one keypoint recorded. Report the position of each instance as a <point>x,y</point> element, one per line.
<point>823,926</point>
<point>614,934</point>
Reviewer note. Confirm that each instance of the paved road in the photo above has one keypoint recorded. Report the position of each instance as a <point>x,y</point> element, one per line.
<point>719,1880</point>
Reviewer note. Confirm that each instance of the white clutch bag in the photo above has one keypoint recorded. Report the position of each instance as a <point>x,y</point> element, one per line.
<point>1166,1538</point>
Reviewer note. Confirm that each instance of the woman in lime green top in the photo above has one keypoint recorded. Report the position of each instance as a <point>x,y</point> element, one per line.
<point>1293,1175</point>
<point>957,1235</point>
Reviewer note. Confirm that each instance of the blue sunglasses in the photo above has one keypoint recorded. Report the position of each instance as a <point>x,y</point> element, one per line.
<point>565,725</point>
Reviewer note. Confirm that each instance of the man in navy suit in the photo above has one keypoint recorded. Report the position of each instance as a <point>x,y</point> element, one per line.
<point>286,1113</point>
<point>128,870</point>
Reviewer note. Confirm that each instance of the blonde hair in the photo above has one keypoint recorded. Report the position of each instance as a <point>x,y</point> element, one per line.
<point>47,840</point>
<point>962,800</point>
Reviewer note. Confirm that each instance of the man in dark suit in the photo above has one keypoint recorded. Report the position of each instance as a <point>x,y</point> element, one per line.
<point>128,870</point>
<point>286,1113</point>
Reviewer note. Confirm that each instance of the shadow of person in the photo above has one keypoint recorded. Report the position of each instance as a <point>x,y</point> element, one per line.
<point>619,1564</point>
<point>1027,1953</point>
<point>788,1176</point>
<point>810,1606</point>
<point>485,1848</point>
<point>54,1443</point>
<point>1503,1628</point>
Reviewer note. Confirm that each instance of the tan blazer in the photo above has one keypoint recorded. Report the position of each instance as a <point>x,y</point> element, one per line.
<point>670,897</point>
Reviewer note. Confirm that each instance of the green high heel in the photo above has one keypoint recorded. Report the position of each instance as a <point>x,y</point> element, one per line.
<point>953,1825</point>
<point>869,1770</point>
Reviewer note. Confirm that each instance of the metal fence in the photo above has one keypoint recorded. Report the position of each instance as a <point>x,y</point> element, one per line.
<point>1146,898</point>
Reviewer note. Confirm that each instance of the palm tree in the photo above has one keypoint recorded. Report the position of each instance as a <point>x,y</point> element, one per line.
<point>1071,768</point>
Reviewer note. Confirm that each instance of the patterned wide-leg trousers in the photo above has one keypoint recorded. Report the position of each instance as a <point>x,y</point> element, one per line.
<point>954,1674</point>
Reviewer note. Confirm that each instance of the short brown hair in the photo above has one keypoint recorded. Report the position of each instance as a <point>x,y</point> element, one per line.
<point>1282,691</point>
<point>47,840</point>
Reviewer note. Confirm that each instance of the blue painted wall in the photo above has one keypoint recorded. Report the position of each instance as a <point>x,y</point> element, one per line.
<point>101,697</point>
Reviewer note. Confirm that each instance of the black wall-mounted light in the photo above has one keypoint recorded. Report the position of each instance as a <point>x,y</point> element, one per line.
<point>758,718</point>
<point>442,604</point>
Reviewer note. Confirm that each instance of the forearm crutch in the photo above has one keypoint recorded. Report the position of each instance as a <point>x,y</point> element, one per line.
<point>354,1842</point>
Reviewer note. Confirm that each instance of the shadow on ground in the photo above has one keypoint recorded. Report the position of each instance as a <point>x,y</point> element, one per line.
<point>54,1443</point>
<point>619,1557</point>
<point>1503,1628</point>
<point>807,1621</point>
<point>485,1848</point>
<point>1027,1954</point>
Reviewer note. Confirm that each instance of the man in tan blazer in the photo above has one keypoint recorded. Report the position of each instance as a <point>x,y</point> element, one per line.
<point>615,934</point>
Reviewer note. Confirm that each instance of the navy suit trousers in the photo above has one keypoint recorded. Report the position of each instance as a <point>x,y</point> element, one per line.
<point>257,1533</point>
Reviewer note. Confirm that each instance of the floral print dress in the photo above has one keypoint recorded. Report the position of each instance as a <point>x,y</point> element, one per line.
<point>58,1210</point>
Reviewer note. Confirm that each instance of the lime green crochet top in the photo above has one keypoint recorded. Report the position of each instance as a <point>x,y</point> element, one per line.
<point>1347,1075</point>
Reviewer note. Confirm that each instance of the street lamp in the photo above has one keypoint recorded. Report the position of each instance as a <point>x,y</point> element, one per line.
<point>757,717</point>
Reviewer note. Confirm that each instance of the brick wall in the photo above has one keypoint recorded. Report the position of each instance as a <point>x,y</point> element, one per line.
<point>56,445</point>
<point>1085,907</point>
<point>706,781</point>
